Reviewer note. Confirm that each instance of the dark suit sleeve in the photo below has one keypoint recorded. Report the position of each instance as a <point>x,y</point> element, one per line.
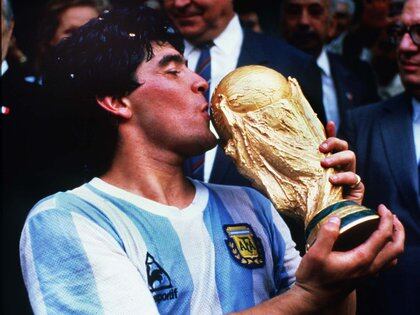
<point>347,130</point>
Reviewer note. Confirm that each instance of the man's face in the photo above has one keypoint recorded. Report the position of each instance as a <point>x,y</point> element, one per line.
<point>306,24</point>
<point>342,17</point>
<point>375,13</point>
<point>169,107</point>
<point>408,53</point>
<point>199,21</point>
<point>71,19</point>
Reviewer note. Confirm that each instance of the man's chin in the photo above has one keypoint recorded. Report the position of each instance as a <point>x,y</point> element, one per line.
<point>200,147</point>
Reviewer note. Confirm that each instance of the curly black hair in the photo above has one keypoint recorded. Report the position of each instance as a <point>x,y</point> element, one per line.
<point>101,57</point>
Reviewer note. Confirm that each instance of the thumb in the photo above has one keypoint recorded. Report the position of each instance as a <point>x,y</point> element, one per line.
<point>327,235</point>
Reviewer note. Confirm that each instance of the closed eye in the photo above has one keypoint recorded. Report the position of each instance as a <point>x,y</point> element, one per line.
<point>173,72</point>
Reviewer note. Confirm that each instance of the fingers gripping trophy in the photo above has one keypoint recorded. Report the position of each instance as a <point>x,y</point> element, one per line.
<point>271,132</point>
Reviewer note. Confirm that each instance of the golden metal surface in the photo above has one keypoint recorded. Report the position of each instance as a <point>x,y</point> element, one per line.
<point>271,132</point>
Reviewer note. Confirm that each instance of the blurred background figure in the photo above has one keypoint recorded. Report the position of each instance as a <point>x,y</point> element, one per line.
<point>384,58</point>
<point>343,13</point>
<point>248,16</point>
<point>373,19</point>
<point>308,25</point>
<point>386,140</point>
<point>59,20</point>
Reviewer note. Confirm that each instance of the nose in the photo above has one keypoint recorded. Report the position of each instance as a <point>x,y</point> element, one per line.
<point>181,3</point>
<point>407,43</point>
<point>200,85</point>
<point>304,17</point>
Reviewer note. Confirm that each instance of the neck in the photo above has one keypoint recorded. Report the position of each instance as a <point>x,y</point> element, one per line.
<point>148,172</point>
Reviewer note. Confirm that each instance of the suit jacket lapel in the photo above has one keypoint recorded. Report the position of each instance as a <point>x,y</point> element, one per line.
<point>397,136</point>
<point>340,75</point>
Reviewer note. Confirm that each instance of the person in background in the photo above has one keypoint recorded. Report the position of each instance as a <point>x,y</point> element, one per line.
<point>386,140</point>
<point>374,18</point>
<point>247,12</point>
<point>212,29</point>
<point>59,20</point>
<point>343,13</point>
<point>384,57</point>
<point>307,25</point>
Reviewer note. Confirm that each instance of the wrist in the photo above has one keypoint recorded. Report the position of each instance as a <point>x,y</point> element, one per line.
<point>306,302</point>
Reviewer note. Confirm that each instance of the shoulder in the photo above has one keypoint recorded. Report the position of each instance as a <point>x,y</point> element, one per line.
<point>372,110</point>
<point>62,208</point>
<point>236,192</point>
<point>276,46</point>
<point>242,201</point>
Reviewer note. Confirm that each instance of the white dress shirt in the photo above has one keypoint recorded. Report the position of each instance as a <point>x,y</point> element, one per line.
<point>329,95</point>
<point>416,127</point>
<point>224,59</point>
<point>4,67</point>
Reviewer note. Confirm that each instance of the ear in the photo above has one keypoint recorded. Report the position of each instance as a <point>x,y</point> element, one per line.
<point>120,107</point>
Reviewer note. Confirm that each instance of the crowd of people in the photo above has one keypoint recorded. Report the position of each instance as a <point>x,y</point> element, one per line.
<point>112,111</point>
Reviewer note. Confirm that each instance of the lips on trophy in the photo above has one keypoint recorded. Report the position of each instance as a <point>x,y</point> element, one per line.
<point>271,132</point>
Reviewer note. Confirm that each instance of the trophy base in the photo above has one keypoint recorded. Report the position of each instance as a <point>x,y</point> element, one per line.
<point>357,224</point>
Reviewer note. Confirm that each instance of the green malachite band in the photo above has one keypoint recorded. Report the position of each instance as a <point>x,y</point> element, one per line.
<point>354,216</point>
<point>344,221</point>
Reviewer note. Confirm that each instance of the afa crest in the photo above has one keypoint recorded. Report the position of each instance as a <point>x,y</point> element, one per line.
<point>244,245</point>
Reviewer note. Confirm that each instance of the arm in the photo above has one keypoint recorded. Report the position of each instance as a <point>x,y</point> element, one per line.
<point>325,277</point>
<point>73,266</point>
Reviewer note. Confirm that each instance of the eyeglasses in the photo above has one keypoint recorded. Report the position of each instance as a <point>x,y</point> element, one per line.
<point>397,32</point>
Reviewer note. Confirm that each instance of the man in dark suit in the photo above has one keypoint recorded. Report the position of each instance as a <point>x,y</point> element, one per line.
<point>308,25</point>
<point>386,140</point>
<point>215,22</point>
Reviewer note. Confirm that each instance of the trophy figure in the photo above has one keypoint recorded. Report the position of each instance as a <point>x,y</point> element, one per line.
<point>269,129</point>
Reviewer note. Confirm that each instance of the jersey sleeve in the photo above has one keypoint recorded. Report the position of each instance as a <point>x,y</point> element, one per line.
<point>73,266</point>
<point>288,258</point>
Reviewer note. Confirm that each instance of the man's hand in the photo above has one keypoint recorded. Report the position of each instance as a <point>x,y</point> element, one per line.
<point>325,275</point>
<point>344,161</point>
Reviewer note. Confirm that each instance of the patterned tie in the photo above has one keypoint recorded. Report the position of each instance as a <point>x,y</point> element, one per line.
<point>203,68</point>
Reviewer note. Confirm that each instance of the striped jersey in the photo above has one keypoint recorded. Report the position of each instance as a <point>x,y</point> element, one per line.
<point>99,249</point>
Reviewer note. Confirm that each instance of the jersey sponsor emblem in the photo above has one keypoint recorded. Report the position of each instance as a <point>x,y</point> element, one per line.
<point>159,280</point>
<point>245,247</point>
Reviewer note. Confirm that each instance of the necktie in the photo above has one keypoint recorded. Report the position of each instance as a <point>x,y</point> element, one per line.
<point>203,68</point>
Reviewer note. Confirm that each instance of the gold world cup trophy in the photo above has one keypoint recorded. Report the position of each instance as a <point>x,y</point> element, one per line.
<point>271,132</point>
